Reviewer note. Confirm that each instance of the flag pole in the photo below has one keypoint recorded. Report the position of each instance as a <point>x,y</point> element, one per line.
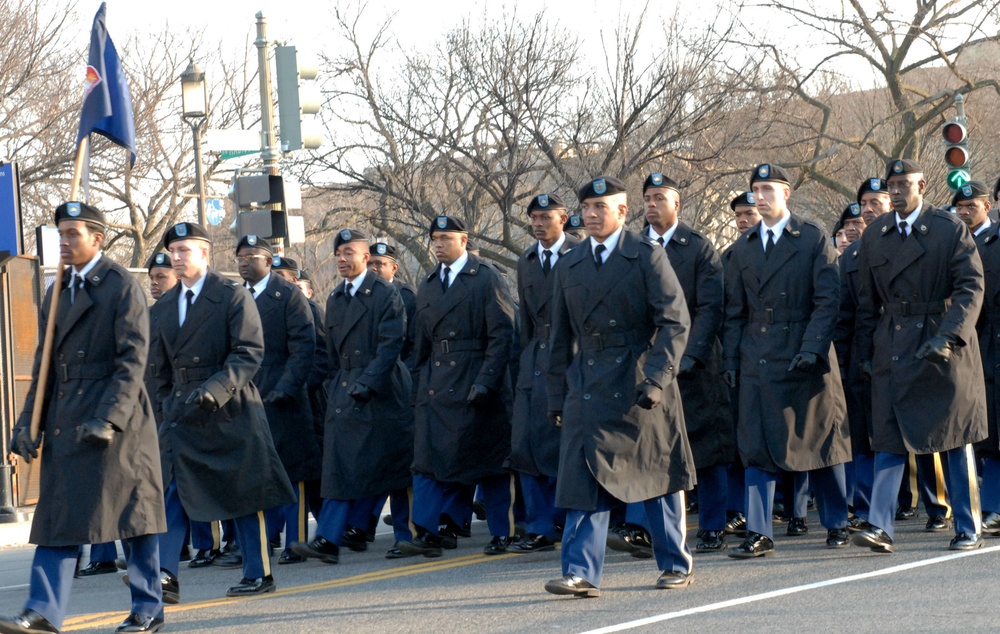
<point>50,323</point>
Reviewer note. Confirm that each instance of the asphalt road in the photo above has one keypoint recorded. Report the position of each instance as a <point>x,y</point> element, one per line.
<point>802,588</point>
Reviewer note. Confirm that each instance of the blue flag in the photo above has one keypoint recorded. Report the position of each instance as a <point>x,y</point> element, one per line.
<point>107,103</point>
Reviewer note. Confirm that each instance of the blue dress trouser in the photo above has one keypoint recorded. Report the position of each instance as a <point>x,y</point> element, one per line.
<point>539,504</point>
<point>829,485</point>
<point>431,498</point>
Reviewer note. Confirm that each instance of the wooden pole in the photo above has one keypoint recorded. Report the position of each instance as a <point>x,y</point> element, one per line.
<point>50,324</point>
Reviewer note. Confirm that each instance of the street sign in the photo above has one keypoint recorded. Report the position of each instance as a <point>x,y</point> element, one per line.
<point>958,177</point>
<point>214,211</point>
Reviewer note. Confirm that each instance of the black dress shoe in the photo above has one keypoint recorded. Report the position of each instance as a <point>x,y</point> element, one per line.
<point>28,622</point>
<point>396,553</point>
<point>169,585</point>
<point>139,623</point>
<point>289,556</point>
<point>534,544</point>
<point>449,539</point>
<point>904,513</point>
<point>736,523</point>
<point>966,541</point>
<point>856,524</point>
<point>248,587</point>
<point>937,524</point>
<point>571,584</point>
<point>498,545</point>
<point>797,527</point>
<point>991,523</point>
<point>185,553</point>
<point>755,545</point>
<point>479,509</point>
<point>319,548</point>
<point>387,520</point>
<point>355,539</point>
<point>674,580</point>
<point>710,541</point>
<point>203,558</point>
<point>836,538</point>
<point>875,538</point>
<point>630,538</point>
<point>230,557</point>
<point>97,568</point>
<point>427,545</point>
<point>446,523</point>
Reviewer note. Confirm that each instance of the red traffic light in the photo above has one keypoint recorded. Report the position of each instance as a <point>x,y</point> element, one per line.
<point>954,133</point>
<point>956,156</point>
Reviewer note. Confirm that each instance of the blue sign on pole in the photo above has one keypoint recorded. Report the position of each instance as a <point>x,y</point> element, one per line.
<point>10,210</point>
<point>213,211</point>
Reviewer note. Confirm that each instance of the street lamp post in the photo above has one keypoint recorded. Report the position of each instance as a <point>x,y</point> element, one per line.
<point>194,99</point>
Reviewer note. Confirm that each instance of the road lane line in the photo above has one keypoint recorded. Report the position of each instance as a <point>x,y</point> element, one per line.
<point>721,605</point>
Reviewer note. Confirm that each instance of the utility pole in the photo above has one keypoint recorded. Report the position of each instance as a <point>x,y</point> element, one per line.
<point>268,138</point>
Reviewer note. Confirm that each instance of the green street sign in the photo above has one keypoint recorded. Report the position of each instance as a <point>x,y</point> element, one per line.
<point>228,154</point>
<point>957,178</point>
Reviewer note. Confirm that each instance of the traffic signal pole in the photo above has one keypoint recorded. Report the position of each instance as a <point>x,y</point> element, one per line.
<point>268,137</point>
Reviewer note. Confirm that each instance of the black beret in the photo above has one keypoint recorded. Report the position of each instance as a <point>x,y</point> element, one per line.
<point>656,179</point>
<point>254,241</point>
<point>601,186</point>
<point>900,167</point>
<point>161,260</point>
<point>79,211</point>
<point>876,185</point>
<point>971,191</point>
<point>766,172</point>
<point>996,189</point>
<point>383,249</point>
<point>447,224</point>
<point>745,199</point>
<point>185,231</point>
<point>284,264</point>
<point>850,212</point>
<point>304,276</point>
<point>545,202</point>
<point>837,227</point>
<point>573,222</point>
<point>349,235</point>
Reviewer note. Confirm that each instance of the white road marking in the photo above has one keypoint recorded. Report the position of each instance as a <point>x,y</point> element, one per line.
<point>19,586</point>
<point>668,616</point>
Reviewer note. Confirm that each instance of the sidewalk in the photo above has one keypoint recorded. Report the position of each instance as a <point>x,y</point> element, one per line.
<point>14,534</point>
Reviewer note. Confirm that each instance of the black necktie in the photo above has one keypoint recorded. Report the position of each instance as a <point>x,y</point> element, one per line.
<point>770,243</point>
<point>445,278</point>
<point>546,261</point>
<point>77,282</point>
<point>190,302</point>
<point>659,241</point>
<point>599,254</point>
<point>253,291</point>
<point>902,230</point>
<point>347,291</point>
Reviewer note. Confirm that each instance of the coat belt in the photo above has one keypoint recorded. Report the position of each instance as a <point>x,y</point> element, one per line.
<point>445,346</point>
<point>916,308</point>
<point>600,341</point>
<point>778,315</point>
<point>69,371</point>
<point>354,362</point>
<point>183,375</point>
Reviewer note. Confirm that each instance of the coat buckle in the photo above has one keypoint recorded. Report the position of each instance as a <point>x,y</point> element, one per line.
<point>445,348</point>
<point>770,315</point>
<point>65,373</point>
<point>598,341</point>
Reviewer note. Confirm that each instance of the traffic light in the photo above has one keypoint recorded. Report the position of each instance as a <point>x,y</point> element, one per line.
<point>956,154</point>
<point>259,190</point>
<point>299,100</point>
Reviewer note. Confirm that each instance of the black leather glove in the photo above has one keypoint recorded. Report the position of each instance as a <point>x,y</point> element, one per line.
<point>866,370</point>
<point>21,444</point>
<point>360,392</point>
<point>203,399</point>
<point>729,378</point>
<point>936,350</point>
<point>477,394</point>
<point>96,432</point>
<point>648,394</point>
<point>555,417</point>
<point>804,361</point>
<point>276,397</point>
<point>688,365</point>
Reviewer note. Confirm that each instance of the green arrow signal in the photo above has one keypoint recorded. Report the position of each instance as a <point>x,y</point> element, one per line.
<point>958,178</point>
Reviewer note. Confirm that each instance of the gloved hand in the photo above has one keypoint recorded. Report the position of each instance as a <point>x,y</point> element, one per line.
<point>866,370</point>
<point>276,397</point>
<point>477,394</point>
<point>648,394</point>
<point>203,399</point>
<point>21,444</point>
<point>936,350</point>
<point>360,392</point>
<point>96,432</point>
<point>729,377</point>
<point>804,361</point>
<point>555,417</point>
<point>688,365</point>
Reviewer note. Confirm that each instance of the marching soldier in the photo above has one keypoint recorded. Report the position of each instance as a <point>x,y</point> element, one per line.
<point>619,328</point>
<point>574,227</point>
<point>704,396</point>
<point>289,350</point>
<point>100,478</point>
<point>921,291</point>
<point>973,208</point>
<point>219,461</point>
<point>465,325</point>
<point>783,301</point>
<point>534,441</point>
<point>369,437</point>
